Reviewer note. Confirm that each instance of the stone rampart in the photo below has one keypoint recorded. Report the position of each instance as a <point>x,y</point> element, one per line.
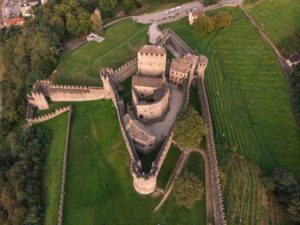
<point>58,92</point>
<point>48,116</point>
<point>123,72</point>
<point>218,206</point>
<point>71,93</point>
<point>174,43</point>
<point>143,183</point>
<point>64,171</point>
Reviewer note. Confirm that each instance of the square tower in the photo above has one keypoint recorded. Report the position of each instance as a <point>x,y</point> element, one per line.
<point>152,60</point>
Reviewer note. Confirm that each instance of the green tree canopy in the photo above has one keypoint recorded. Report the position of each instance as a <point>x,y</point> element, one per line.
<point>222,20</point>
<point>204,24</point>
<point>96,21</point>
<point>189,129</point>
<point>188,189</point>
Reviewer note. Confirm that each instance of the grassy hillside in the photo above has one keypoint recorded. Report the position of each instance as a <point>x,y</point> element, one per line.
<point>279,19</point>
<point>53,168</point>
<point>247,93</point>
<point>99,187</point>
<point>121,43</point>
<point>251,112</point>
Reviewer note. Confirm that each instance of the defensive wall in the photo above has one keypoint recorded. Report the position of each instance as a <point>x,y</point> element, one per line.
<point>64,171</point>
<point>218,205</point>
<point>48,116</point>
<point>62,93</point>
<point>125,71</point>
<point>173,43</point>
<point>178,43</point>
<point>144,183</point>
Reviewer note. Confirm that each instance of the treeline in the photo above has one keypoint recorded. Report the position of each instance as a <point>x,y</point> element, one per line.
<point>294,80</point>
<point>290,44</point>
<point>205,24</point>
<point>21,187</point>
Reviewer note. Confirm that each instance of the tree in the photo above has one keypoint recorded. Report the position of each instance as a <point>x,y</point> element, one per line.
<point>222,20</point>
<point>71,24</point>
<point>203,24</point>
<point>189,129</point>
<point>128,5</point>
<point>108,7</point>
<point>188,189</point>
<point>288,192</point>
<point>96,21</point>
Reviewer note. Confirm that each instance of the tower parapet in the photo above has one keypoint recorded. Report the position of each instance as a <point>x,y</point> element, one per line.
<point>203,60</point>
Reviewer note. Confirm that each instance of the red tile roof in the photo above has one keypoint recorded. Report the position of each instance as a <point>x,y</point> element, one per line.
<point>294,58</point>
<point>14,21</point>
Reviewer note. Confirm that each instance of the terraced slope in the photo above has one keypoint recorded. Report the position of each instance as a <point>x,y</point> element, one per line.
<point>248,96</point>
<point>247,200</point>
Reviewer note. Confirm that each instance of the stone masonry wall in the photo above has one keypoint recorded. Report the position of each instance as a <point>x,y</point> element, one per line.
<point>218,206</point>
<point>48,116</point>
<point>69,93</point>
<point>123,72</point>
<point>64,171</point>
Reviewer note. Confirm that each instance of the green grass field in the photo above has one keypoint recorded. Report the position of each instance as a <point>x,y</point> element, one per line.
<point>248,96</point>
<point>168,166</point>
<point>53,168</point>
<point>82,65</point>
<point>99,187</point>
<point>279,19</point>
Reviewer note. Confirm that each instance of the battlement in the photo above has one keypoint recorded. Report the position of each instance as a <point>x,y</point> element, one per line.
<point>48,116</point>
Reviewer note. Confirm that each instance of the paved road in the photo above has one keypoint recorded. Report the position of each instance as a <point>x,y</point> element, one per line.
<point>161,16</point>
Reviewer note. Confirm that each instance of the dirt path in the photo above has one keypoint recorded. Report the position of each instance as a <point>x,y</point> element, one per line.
<point>179,166</point>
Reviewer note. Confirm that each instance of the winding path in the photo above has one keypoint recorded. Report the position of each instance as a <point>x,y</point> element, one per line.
<point>179,166</point>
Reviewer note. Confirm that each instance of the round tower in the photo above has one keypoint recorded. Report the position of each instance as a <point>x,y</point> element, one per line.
<point>144,185</point>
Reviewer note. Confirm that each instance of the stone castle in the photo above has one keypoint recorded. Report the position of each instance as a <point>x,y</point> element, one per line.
<point>159,93</point>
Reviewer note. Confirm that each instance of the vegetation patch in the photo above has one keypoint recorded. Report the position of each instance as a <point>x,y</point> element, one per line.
<point>188,189</point>
<point>189,129</point>
<point>247,197</point>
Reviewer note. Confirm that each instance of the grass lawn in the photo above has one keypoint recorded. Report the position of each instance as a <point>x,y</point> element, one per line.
<point>248,96</point>
<point>168,166</point>
<point>53,167</point>
<point>279,19</point>
<point>99,187</point>
<point>82,65</point>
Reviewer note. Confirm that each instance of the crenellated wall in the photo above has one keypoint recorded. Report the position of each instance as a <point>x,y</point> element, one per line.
<point>125,71</point>
<point>71,93</point>
<point>48,116</point>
